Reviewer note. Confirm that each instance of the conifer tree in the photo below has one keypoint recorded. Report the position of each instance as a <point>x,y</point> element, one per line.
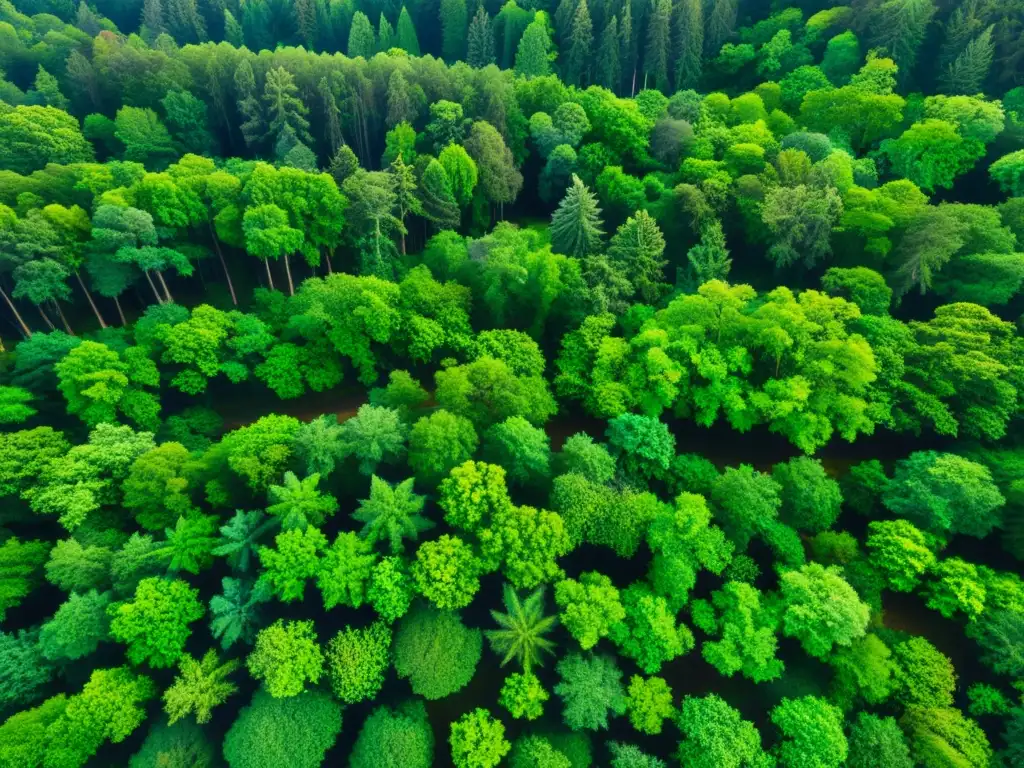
<point>284,107</point>
<point>532,54</point>
<point>721,22</point>
<point>899,27</point>
<point>153,18</point>
<point>249,106</point>
<point>576,223</point>
<point>233,30</point>
<point>564,15</point>
<point>963,26</point>
<point>385,34</point>
<point>656,52</point>
<point>709,259</point>
<point>480,46</point>
<point>637,249</point>
<point>630,46</point>
<point>400,102</point>
<point>609,64</point>
<point>331,114</point>
<point>305,22</point>
<point>184,21</point>
<point>406,31</point>
<point>967,73</point>
<point>453,29</point>
<point>581,47</point>
<point>687,42</point>
<point>361,38</point>
<point>406,199</point>
<point>437,199</point>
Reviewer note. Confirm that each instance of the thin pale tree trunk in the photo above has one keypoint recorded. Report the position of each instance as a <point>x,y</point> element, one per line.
<point>60,313</point>
<point>120,312</point>
<point>330,267</point>
<point>25,330</point>
<point>95,309</point>
<point>288,272</point>
<point>270,278</point>
<point>163,283</point>
<point>46,318</point>
<point>149,277</point>
<point>223,264</point>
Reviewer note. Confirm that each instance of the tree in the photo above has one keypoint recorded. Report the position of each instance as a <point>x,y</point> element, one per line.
<point>576,224</point>
<point>239,538</point>
<point>391,514</point>
<point>591,689</point>
<point>745,500</point>
<point>391,589</point>
<point>357,660</point>
<point>956,588</point>
<point>345,571</point>
<point>899,26</point>
<point>810,498</point>
<point>395,737</point>
<point>648,633</point>
<point>523,626</point>
<point>523,448</point>
<point>294,731</point>
<point>374,435</point>
<point>480,40</point>
<point>453,29</point>
<point>298,503</point>
<point>877,741</point>
<point>440,442</point>
<point>1008,172</point>
<point>478,740</point>
<point>154,623</point>
<point>235,614</point>
<point>124,377</point>
<point>436,652</point>
<point>899,552</point>
<point>294,559</point>
<point>812,731</point>
<point>156,488</point>
<point>436,197</point>
<point>461,172</point>
<point>285,657</point>
<point>746,628</point>
<point>821,609</point>
<point>637,249</point>
<point>188,121</point>
<point>35,136</point>
<point>500,179</point>
<point>629,756</point>
<point>938,734</point>
<point>642,445</point>
<point>945,494</point>
<point>406,34</point>
<point>657,52</point>
<point>968,71</point>
<point>199,687</point>
<point>532,54</point>
<point>145,138</point>
<point>77,628</point>
<point>487,391</point>
<point>580,49</point>
<point>650,702</point>
<point>190,544</point>
<point>75,568</point>
<point>361,37</point>
<point>932,153</point>
<point>590,607</point>
<point>25,670</point>
<point>523,696</point>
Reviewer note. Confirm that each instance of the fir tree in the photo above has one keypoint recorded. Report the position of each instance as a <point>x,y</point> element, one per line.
<point>248,105</point>
<point>406,199</point>
<point>688,42</point>
<point>283,105</point>
<point>361,38</point>
<point>629,45</point>
<point>721,23</point>
<point>437,199</point>
<point>385,34</point>
<point>709,259</point>
<point>658,45</point>
<point>532,58</point>
<point>899,27</point>
<point>480,47</point>
<point>233,30</point>
<point>407,39</point>
<point>343,164</point>
<point>637,250</point>
<point>564,15</point>
<point>153,18</point>
<point>962,27</point>
<point>332,116</point>
<point>184,21</point>
<point>609,64</point>
<point>305,21</point>
<point>576,224</point>
<point>453,29</point>
<point>581,44</point>
<point>967,73</point>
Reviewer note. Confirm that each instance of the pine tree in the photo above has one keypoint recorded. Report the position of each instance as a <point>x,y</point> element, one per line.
<point>709,259</point>
<point>361,39</point>
<point>305,22</point>
<point>400,103</point>
<point>564,15</point>
<point>629,46</point>
<point>962,27</point>
<point>900,27</point>
<point>153,18</point>
<point>248,105</point>
<point>48,90</point>
<point>656,52</point>
<point>576,223</point>
<point>184,21</point>
<point>407,39</point>
<point>406,200</point>
<point>283,105</point>
<point>688,42</point>
<point>637,249</point>
<point>437,199</point>
<point>532,54</point>
<point>609,64</point>
<point>385,34</point>
<point>453,29</point>
<point>233,30</point>
<point>332,116</point>
<point>721,23</point>
<point>343,164</point>
<point>967,73</point>
<point>480,47</point>
<point>581,45</point>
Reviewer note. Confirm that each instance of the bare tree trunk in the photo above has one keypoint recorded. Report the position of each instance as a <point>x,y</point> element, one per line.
<point>149,277</point>
<point>288,272</point>
<point>163,283</point>
<point>60,313</point>
<point>330,267</point>
<point>25,331</point>
<point>270,279</point>
<point>632,88</point>
<point>223,264</point>
<point>120,311</point>
<point>46,319</point>
<point>95,309</point>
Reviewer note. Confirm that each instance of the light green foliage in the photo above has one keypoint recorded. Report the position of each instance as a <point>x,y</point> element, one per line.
<point>285,657</point>
<point>447,572</point>
<point>35,136</point>
<point>590,689</point>
<point>391,588</point>
<point>522,630</point>
<point>357,660</point>
<point>821,609</point>
<point>258,453</point>
<point>199,687</point>
<point>521,447</point>
<point>25,453</point>
<point>478,740</point>
<point>23,735</point>
<point>391,514</point>
<point>629,756</point>
<point>440,442</point>
<point>100,384</point>
<point>955,587</point>
<point>877,742</point>
<point>649,633</point>
<point>298,503</point>
<point>145,138</point>
<point>154,623</point>
<point>402,393</point>
<point>14,405</point>
<point>746,501</point>
<point>296,731</point>
<point>590,607</point>
<point>581,455</point>
<point>942,735</point>
<point>77,628</point>
<point>716,736</point>
<point>924,676</point>
<point>294,560</point>
<point>487,391</point>
<point>75,568</point>
<point>536,752</point>
<point>1008,172</point>
<point>374,435</point>
<point>863,671</point>
<point>864,287</point>
<point>810,498</point>
<point>812,733</point>
<point>345,571</point>
<point>157,487</point>
<point>436,652</point>
<point>932,153</point>
<point>528,542</point>
<point>642,446</point>
<point>398,737</point>
<point>523,696</point>
<point>190,544</point>
<point>746,630</point>
<point>650,703</point>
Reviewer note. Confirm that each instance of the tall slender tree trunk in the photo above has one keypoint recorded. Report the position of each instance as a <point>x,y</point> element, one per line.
<point>163,283</point>
<point>60,313</point>
<point>46,318</point>
<point>120,312</point>
<point>223,264</point>
<point>288,272</point>
<point>149,277</point>
<point>88,296</point>
<point>270,277</point>
<point>632,88</point>
<point>330,267</point>
<point>25,330</point>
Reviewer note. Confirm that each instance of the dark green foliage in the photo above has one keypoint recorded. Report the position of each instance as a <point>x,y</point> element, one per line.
<point>397,737</point>
<point>294,731</point>
<point>436,652</point>
<point>591,690</point>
